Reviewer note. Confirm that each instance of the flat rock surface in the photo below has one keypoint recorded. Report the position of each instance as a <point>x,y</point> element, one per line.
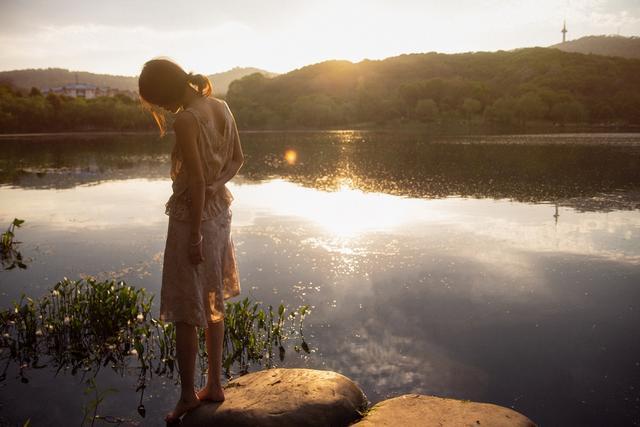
<point>420,410</point>
<point>284,397</point>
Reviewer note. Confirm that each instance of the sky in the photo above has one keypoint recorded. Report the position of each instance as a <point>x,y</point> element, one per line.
<point>209,36</point>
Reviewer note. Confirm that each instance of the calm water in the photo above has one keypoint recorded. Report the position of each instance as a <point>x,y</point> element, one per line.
<point>496,269</point>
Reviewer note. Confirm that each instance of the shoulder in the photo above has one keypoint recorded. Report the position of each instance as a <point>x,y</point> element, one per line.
<point>220,111</point>
<point>220,106</point>
<point>220,103</point>
<point>185,122</point>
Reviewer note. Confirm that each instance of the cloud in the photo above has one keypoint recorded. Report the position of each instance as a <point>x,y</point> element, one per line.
<point>118,36</point>
<point>121,49</point>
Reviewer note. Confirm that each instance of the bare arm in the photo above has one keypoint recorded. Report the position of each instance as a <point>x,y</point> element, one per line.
<point>186,129</point>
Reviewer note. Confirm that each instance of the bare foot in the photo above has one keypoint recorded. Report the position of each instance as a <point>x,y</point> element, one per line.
<point>182,407</point>
<point>211,393</point>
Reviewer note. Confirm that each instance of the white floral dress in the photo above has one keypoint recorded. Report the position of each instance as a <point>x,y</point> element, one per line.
<point>195,294</point>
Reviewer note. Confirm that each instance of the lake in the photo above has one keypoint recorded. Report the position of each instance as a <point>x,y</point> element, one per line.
<point>502,269</point>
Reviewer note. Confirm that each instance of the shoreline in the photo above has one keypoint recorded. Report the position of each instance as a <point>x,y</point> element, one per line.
<point>430,132</point>
<point>73,133</point>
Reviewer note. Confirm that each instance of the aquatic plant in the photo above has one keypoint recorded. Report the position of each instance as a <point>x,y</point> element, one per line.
<point>11,257</point>
<point>251,334</point>
<point>84,325</point>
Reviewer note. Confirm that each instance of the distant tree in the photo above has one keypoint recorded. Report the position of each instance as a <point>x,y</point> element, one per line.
<point>627,106</point>
<point>502,111</point>
<point>601,113</point>
<point>55,101</point>
<point>35,92</point>
<point>471,107</point>
<point>569,112</point>
<point>315,110</point>
<point>410,93</point>
<point>531,107</point>
<point>427,110</point>
<point>124,99</point>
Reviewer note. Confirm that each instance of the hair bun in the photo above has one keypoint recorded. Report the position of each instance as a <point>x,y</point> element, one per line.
<point>202,82</point>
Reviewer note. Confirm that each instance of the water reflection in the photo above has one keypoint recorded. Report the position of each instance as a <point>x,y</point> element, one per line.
<point>497,269</point>
<point>583,171</point>
<point>343,218</point>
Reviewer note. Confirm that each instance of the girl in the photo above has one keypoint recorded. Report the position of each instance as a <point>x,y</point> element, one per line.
<point>199,270</point>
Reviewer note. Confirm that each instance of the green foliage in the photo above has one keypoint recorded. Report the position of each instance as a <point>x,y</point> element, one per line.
<point>315,111</point>
<point>568,112</point>
<point>37,113</point>
<point>85,324</point>
<point>250,330</point>
<point>531,107</point>
<point>502,111</point>
<point>507,88</point>
<point>427,110</point>
<point>512,88</point>
<point>471,107</point>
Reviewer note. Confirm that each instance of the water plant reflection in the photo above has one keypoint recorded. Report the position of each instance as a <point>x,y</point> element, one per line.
<point>11,257</point>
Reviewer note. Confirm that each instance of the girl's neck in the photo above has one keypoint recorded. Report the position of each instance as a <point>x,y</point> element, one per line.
<point>190,98</point>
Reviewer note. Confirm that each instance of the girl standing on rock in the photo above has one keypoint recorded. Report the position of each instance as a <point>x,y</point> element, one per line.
<point>199,270</point>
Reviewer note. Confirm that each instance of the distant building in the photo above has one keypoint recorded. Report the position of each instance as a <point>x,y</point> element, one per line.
<point>74,90</point>
<point>86,90</point>
<point>564,31</point>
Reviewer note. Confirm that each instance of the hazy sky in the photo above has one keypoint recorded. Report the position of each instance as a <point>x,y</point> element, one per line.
<point>117,36</point>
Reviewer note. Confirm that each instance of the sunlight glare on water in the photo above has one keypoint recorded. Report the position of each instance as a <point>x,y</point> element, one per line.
<point>347,212</point>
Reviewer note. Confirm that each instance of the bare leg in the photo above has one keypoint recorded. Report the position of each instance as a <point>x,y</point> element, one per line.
<point>214,334</point>
<point>186,348</point>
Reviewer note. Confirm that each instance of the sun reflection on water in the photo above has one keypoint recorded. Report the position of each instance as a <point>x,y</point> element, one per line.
<point>346,212</point>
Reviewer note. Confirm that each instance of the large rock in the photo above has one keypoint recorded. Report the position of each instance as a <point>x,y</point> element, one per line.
<point>284,397</point>
<point>420,410</point>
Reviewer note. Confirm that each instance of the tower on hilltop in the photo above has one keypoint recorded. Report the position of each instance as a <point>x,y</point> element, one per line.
<point>564,31</point>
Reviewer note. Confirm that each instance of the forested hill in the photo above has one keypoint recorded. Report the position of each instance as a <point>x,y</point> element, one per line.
<point>51,77</point>
<point>515,87</point>
<point>222,80</point>
<point>627,47</point>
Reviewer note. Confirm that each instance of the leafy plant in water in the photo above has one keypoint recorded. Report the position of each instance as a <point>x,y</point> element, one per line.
<point>11,257</point>
<point>85,325</point>
<point>249,331</point>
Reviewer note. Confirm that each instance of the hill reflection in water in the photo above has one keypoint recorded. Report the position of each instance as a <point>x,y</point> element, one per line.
<point>587,172</point>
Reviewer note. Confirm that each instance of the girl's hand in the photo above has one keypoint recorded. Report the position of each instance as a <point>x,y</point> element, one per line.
<point>212,189</point>
<point>195,253</point>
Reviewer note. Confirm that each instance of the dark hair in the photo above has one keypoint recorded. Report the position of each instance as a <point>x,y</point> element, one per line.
<point>162,82</point>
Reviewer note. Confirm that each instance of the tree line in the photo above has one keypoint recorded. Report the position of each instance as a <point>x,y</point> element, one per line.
<point>516,88</point>
<point>513,88</point>
<point>22,111</point>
